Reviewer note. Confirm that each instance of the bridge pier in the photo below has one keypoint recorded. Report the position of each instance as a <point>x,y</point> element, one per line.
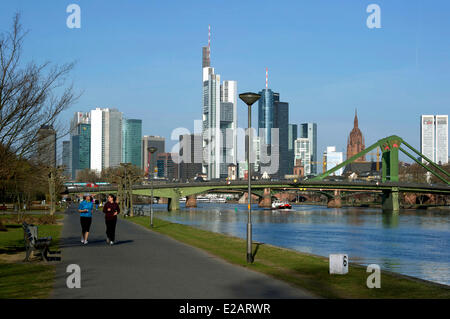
<point>266,200</point>
<point>173,204</point>
<point>390,200</point>
<point>191,201</point>
<point>336,201</point>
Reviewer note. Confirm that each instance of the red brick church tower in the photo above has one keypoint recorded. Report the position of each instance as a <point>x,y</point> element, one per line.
<point>355,142</point>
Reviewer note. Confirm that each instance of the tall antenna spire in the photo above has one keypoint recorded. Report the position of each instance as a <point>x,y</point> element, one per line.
<point>209,37</point>
<point>267,78</point>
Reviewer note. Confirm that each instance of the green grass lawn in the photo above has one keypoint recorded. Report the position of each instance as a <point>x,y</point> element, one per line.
<point>20,279</point>
<point>302,270</point>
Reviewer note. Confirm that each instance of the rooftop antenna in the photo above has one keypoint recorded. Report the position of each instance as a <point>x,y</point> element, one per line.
<point>267,78</point>
<point>209,40</point>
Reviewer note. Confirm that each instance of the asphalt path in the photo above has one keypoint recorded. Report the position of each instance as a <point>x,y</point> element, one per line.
<point>145,264</point>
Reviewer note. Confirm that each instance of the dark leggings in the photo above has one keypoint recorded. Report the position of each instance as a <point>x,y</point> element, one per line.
<point>85,224</point>
<point>111,228</point>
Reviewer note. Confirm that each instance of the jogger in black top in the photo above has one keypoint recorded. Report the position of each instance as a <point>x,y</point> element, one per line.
<point>111,209</point>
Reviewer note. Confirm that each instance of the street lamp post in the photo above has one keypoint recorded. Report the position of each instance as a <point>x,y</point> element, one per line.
<point>151,151</point>
<point>249,98</point>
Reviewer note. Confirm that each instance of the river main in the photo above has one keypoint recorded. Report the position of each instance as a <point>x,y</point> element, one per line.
<point>412,242</point>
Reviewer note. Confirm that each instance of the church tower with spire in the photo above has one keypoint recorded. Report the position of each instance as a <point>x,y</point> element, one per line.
<point>355,142</point>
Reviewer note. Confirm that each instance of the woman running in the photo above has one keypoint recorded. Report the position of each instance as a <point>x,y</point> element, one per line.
<point>111,209</point>
<point>85,210</point>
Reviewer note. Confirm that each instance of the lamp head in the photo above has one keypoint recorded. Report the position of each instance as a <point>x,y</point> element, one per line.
<point>249,97</point>
<point>152,149</point>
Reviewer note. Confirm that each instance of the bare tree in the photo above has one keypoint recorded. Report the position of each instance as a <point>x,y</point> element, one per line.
<point>28,98</point>
<point>87,176</point>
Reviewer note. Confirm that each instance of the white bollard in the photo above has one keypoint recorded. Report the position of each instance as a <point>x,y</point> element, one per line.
<point>338,264</point>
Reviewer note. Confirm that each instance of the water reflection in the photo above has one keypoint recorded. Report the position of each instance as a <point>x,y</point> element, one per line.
<point>415,243</point>
<point>390,220</point>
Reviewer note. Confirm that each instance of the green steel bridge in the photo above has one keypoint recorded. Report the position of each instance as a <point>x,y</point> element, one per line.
<point>389,186</point>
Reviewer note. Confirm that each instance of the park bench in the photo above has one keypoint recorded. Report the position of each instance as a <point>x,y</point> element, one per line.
<point>34,243</point>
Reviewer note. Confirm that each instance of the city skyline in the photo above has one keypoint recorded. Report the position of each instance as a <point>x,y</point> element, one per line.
<point>384,84</point>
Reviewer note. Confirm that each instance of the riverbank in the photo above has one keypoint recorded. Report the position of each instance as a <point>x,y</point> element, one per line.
<point>26,280</point>
<point>299,269</point>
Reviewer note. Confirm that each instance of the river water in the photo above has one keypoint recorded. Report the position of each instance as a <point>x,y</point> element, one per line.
<point>412,242</point>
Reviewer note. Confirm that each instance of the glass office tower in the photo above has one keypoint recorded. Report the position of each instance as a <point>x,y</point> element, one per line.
<point>131,141</point>
<point>81,148</point>
<point>266,114</point>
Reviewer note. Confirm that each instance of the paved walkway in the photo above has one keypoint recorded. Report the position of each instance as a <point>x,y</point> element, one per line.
<point>145,264</point>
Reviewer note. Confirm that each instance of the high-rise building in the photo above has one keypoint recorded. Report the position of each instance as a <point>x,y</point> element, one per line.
<point>131,142</point>
<point>66,159</point>
<point>228,125</point>
<point>266,114</point>
<point>427,132</point>
<point>281,122</point>
<point>309,131</point>
<point>46,146</point>
<point>355,142</point>
<point>80,141</point>
<point>219,120</point>
<point>151,141</point>
<point>332,159</point>
<point>106,138</point>
<point>190,155</point>
<point>302,151</point>
<point>77,164</point>
<point>292,136</point>
<point>441,139</point>
<point>167,166</point>
<point>434,138</point>
<point>257,153</point>
<point>274,114</point>
<point>79,118</point>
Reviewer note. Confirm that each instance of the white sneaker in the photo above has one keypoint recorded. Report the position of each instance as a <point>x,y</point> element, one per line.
<point>111,243</point>
<point>85,242</point>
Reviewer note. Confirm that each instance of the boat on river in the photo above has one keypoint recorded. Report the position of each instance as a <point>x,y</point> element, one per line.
<point>281,205</point>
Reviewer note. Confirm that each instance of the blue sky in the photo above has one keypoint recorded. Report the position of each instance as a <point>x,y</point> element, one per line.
<point>144,58</point>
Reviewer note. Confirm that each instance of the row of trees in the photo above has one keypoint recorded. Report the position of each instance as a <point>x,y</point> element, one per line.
<point>32,95</point>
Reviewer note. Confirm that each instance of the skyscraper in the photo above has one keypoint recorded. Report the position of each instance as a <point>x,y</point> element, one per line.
<point>81,148</point>
<point>106,138</point>
<point>434,138</point>
<point>80,143</point>
<point>281,122</point>
<point>332,159</point>
<point>266,114</point>
<point>190,156</point>
<point>167,166</point>
<point>427,132</point>
<point>274,114</point>
<point>292,136</point>
<point>131,142</point>
<point>302,151</point>
<point>309,131</point>
<point>151,141</point>
<point>355,142</point>
<point>228,125</point>
<point>441,139</point>
<point>66,159</point>
<point>219,120</point>
<point>46,145</point>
